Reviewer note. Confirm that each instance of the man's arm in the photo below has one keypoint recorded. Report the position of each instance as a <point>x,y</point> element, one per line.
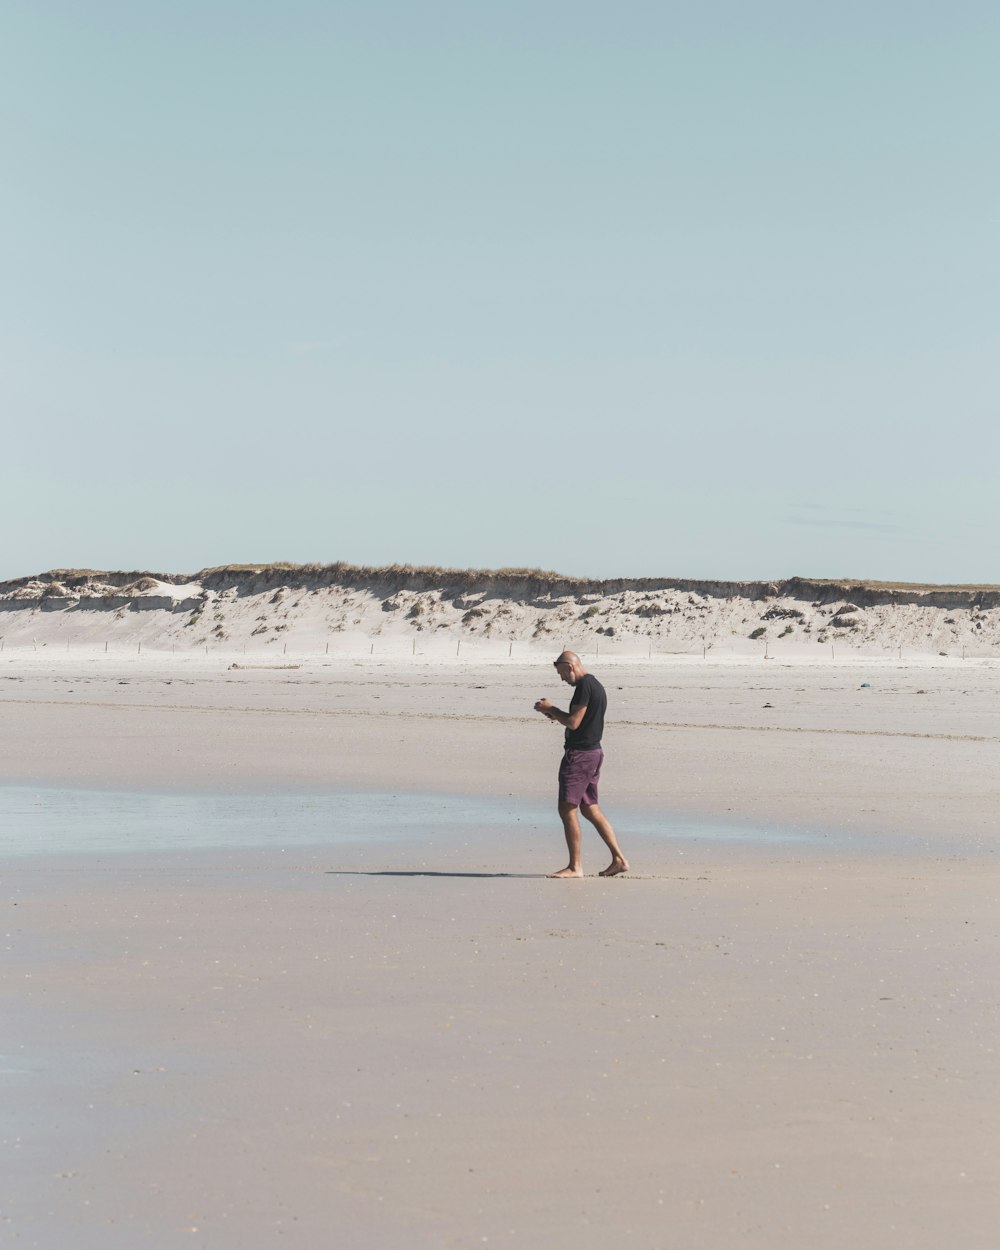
<point>571,720</point>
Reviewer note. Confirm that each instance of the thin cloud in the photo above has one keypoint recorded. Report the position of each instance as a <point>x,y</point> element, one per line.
<point>878,522</point>
<point>313,347</point>
<point>876,527</point>
<point>840,512</point>
<point>887,531</point>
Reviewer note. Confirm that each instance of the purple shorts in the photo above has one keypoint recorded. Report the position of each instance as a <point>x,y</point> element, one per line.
<point>579,773</point>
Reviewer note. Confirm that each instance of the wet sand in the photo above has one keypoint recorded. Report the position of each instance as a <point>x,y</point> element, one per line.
<point>866,745</point>
<point>423,1042</point>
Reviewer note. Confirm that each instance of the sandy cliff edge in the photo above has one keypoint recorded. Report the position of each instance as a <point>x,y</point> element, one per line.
<point>267,603</point>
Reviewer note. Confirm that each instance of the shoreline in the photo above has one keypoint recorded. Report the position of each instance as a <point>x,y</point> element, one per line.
<point>388,816</point>
<point>909,751</point>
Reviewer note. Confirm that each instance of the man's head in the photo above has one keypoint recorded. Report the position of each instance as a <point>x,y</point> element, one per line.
<point>569,667</point>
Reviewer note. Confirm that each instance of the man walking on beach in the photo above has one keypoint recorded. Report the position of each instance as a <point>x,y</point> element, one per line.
<point>580,769</point>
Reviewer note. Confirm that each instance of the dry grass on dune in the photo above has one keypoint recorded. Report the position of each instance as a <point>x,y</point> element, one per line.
<point>370,570</point>
<point>506,576</point>
<point>913,587</point>
<point>343,568</point>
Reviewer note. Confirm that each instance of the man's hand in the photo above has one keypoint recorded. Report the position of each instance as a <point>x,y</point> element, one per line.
<point>571,720</point>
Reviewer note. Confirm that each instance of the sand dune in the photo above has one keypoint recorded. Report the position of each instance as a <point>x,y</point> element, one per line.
<point>345,608</point>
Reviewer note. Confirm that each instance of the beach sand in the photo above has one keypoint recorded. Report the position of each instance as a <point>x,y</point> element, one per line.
<point>422,1042</point>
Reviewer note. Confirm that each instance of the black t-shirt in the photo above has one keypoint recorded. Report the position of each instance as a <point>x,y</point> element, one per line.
<point>587,736</point>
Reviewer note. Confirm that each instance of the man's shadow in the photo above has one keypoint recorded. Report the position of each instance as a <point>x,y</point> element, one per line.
<point>357,872</point>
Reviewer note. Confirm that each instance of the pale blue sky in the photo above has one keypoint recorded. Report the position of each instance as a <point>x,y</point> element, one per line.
<point>699,289</point>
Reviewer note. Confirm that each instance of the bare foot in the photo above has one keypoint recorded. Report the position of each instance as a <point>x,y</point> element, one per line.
<point>567,872</point>
<point>614,868</point>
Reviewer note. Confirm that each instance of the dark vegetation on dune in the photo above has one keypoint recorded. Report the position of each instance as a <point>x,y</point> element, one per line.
<point>248,579</point>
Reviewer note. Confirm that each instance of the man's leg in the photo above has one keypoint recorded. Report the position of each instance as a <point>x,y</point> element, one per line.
<point>571,827</point>
<point>603,826</point>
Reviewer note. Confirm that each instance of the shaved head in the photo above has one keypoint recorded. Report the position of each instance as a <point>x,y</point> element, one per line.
<point>570,667</point>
